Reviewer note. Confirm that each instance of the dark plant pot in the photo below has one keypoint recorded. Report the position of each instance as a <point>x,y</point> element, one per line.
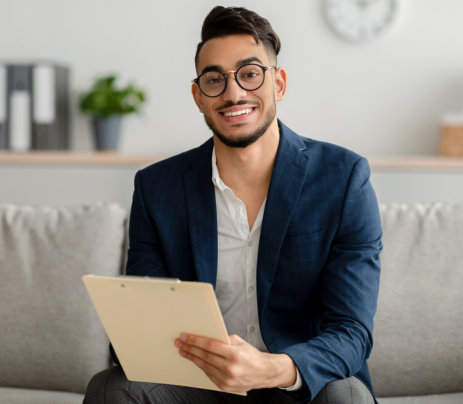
<point>107,132</point>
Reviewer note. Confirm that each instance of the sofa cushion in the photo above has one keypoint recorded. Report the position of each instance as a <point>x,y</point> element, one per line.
<point>418,343</point>
<point>456,398</point>
<point>25,396</point>
<point>51,336</point>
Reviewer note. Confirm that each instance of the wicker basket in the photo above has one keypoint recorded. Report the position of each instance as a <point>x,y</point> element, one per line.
<point>451,142</point>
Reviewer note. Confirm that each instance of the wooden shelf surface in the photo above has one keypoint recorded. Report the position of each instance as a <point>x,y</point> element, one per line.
<point>424,163</point>
<point>60,158</point>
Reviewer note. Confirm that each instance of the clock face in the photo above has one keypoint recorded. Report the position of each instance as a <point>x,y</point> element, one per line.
<point>359,20</point>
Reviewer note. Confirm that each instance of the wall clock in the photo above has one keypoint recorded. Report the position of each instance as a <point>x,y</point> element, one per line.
<point>360,20</point>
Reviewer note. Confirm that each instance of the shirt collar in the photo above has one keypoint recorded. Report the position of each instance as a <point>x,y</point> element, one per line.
<point>216,180</point>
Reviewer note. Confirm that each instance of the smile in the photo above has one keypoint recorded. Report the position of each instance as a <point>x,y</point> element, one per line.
<point>238,113</point>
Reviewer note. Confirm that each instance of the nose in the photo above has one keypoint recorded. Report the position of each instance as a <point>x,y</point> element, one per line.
<point>233,92</point>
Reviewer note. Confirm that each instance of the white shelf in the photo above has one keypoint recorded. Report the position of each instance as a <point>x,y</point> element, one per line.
<point>62,158</point>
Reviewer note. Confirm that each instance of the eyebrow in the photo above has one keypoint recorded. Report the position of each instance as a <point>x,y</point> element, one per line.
<point>242,62</point>
<point>248,60</point>
<point>212,68</point>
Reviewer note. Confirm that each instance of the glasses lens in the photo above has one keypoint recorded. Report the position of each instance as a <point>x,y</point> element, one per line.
<point>250,77</point>
<point>212,83</point>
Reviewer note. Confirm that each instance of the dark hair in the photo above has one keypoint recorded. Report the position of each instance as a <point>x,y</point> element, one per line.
<point>223,21</point>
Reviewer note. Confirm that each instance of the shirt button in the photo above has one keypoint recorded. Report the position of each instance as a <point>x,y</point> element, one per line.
<point>252,329</point>
<point>249,243</point>
<point>251,289</point>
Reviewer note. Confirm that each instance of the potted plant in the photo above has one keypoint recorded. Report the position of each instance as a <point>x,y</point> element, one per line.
<point>107,104</point>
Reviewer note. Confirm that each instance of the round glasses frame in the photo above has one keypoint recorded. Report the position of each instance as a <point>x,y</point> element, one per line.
<point>235,73</point>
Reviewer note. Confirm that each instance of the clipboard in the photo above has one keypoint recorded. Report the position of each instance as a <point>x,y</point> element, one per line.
<point>143,317</point>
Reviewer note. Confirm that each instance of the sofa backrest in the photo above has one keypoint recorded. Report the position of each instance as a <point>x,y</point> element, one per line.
<point>418,336</point>
<point>51,336</point>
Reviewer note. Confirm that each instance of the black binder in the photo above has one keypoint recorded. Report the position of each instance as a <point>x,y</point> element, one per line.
<point>37,101</point>
<point>3,107</point>
<point>51,107</point>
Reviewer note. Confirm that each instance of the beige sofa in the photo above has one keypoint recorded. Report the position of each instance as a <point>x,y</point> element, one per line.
<point>418,337</point>
<point>51,341</point>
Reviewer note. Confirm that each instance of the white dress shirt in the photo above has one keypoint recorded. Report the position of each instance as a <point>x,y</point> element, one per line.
<point>237,265</point>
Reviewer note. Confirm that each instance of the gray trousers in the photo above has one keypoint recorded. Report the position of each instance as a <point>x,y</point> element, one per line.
<point>112,387</point>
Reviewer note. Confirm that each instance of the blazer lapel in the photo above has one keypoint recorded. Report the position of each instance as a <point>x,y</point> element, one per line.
<point>202,214</point>
<point>288,178</point>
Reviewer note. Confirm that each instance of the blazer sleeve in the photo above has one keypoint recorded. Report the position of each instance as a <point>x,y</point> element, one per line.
<point>350,283</point>
<point>145,257</point>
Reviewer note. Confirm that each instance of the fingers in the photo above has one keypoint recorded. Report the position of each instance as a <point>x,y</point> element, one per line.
<point>202,350</point>
<point>236,340</point>
<point>206,344</point>
<point>223,376</point>
<point>237,367</point>
<point>207,355</point>
<point>200,355</point>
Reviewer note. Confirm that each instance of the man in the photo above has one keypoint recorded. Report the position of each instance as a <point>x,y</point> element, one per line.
<point>286,228</point>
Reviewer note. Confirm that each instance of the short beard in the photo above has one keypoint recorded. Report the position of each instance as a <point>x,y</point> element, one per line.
<point>246,139</point>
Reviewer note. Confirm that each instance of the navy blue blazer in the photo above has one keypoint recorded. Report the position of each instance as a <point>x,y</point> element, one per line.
<point>318,262</point>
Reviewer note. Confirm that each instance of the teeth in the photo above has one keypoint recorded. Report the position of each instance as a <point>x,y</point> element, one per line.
<point>237,113</point>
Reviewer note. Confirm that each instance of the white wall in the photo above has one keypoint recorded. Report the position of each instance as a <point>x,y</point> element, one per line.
<point>380,98</point>
<point>81,185</point>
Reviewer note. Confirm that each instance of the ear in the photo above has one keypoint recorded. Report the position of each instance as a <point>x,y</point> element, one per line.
<point>280,83</point>
<point>197,96</point>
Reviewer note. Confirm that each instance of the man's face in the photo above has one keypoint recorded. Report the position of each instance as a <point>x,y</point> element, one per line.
<point>238,117</point>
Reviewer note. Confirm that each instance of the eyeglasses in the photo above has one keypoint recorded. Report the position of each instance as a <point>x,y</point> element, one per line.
<point>249,77</point>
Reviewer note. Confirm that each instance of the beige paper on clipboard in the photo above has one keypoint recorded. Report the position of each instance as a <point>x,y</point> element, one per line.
<point>144,316</point>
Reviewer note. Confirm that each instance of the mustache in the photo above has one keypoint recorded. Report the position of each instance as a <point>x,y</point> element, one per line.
<point>230,104</point>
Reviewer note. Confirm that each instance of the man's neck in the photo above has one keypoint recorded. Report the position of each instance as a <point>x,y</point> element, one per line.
<point>252,166</point>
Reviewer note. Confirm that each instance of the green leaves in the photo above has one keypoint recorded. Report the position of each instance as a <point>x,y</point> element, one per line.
<point>104,99</point>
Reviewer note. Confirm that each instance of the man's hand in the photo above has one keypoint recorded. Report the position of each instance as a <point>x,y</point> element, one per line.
<point>237,367</point>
